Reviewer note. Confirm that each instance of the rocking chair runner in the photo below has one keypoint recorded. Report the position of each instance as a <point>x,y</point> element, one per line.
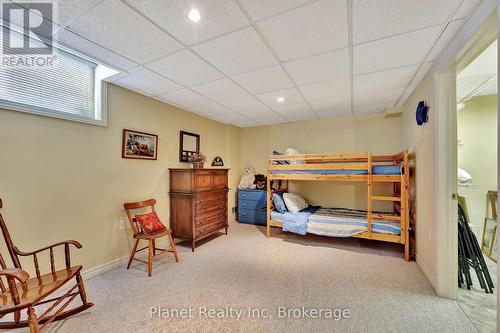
<point>23,293</point>
<point>151,238</point>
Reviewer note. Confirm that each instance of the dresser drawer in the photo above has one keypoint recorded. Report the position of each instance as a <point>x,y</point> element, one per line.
<point>209,228</point>
<point>211,217</point>
<point>203,180</point>
<point>212,198</point>
<point>252,221</point>
<point>252,214</point>
<point>252,195</point>
<point>205,207</point>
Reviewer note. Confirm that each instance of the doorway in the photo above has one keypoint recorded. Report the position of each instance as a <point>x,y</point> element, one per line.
<point>477,159</point>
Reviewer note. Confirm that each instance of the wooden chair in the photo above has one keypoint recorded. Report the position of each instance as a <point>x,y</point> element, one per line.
<point>24,293</point>
<point>151,238</point>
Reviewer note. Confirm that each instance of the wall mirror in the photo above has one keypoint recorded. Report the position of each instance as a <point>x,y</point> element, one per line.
<point>189,144</point>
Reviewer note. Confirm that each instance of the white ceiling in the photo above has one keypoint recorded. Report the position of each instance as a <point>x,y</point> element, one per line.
<point>479,78</point>
<point>324,57</point>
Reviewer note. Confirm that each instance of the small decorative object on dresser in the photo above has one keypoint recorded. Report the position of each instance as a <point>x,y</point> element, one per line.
<point>218,162</point>
<point>198,203</point>
<point>252,207</point>
<point>198,160</point>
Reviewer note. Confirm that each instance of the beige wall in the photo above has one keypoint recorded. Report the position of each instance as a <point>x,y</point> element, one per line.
<point>477,128</point>
<point>421,141</point>
<point>358,133</point>
<point>66,180</point>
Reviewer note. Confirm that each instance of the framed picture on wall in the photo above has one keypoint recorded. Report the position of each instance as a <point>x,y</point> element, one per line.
<point>139,145</point>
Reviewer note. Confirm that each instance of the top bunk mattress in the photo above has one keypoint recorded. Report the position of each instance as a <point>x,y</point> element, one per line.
<point>376,170</point>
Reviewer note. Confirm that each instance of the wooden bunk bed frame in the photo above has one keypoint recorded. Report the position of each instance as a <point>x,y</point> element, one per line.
<point>351,161</point>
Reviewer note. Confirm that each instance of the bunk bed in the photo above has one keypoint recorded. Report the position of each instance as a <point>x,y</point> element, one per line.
<point>362,167</point>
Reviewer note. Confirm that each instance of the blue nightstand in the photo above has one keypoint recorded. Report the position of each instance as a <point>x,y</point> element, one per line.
<point>252,207</point>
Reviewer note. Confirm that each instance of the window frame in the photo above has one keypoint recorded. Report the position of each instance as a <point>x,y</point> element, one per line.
<point>100,98</point>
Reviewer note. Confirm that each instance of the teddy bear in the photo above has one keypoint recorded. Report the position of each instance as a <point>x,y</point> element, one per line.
<point>260,182</point>
<point>247,180</point>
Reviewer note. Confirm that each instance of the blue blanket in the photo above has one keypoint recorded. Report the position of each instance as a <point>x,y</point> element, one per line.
<point>295,222</point>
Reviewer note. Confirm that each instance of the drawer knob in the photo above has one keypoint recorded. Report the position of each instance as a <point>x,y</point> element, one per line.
<point>243,213</point>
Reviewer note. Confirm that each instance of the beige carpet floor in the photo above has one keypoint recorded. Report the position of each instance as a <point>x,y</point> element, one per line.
<point>244,269</point>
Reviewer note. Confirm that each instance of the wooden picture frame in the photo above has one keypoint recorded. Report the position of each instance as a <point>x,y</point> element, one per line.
<point>489,232</point>
<point>139,145</point>
<point>189,144</point>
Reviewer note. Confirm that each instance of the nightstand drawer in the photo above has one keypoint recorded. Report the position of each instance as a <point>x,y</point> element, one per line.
<point>251,195</point>
<point>252,214</point>
<point>248,204</point>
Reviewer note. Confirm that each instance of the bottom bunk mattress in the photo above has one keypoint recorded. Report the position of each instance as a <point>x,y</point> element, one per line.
<point>342,222</point>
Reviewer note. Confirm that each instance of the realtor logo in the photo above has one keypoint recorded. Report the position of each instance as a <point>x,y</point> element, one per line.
<point>27,32</point>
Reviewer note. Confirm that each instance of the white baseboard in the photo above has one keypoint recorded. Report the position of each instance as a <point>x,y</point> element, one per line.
<point>427,273</point>
<point>113,264</point>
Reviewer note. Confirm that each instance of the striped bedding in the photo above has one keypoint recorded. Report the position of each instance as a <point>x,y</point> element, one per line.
<point>343,222</point>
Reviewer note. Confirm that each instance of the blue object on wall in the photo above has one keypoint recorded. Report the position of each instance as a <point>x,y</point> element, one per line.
<point>421,113</point>
<point>252,207</point>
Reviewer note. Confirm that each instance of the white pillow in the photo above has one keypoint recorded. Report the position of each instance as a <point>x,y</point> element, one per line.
<point>294,203</point>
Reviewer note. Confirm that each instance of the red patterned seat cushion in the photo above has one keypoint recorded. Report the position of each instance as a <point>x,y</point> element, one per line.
<point>150,223</point>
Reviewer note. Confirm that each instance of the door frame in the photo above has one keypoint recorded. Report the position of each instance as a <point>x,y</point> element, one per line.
<point>469,42</point>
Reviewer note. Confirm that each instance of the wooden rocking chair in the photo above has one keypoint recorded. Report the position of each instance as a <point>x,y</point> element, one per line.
<point>150,238</point>
<point>22,293</point>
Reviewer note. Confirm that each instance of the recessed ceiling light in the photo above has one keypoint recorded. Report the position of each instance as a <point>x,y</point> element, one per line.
<point>280,99</point>
<point>194,15</point>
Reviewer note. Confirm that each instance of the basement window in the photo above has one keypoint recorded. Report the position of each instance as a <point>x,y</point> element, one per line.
<point>58,83</point>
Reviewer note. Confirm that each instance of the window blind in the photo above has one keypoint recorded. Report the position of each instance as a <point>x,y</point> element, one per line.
<point>68,87</point>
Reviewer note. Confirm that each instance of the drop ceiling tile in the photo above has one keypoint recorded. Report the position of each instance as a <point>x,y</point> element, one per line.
<point>291,96</point>
<point>211,110</point>
<point>445,39</point>
<point>331,103</point>
<point>293,117</point>
<point>217,17</point>
<point>422,72</point>
<point>220,90</point>
<point>259,9</point>
<point>263,80</point>
<point>245,124</point>
<point>398,51</point>
<point>322,67</point>
<point>241,51</point>
<point>185,98</point>
<point>122,30</point>
<point>334,113</point>
<point>373,108</point>
<point>295,112</point>
<point>317,27</point>
<point>116,77</point>
<point>392,78</point>
<point>323,90</point>
<point>468,84</point>
<point>248,106</point>
<point>186,68</point>
<point>375,19</point>
<point>293,108</point>
<point>272,119</point>
<point>466,9</point>
<point>233,117</point>
<point>386,96</point>
<point>148,82</point>
<point>86,47</point>
<point>406,95</point>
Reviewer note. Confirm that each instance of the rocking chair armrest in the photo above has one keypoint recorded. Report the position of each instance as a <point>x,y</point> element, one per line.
<point>68,242</point>
<point>15,273</point>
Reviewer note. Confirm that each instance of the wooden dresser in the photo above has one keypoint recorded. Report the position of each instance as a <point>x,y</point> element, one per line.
<point>198,203</point>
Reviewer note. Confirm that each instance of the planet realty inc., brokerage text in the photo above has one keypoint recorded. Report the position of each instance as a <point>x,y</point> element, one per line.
<point>232,313</point>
